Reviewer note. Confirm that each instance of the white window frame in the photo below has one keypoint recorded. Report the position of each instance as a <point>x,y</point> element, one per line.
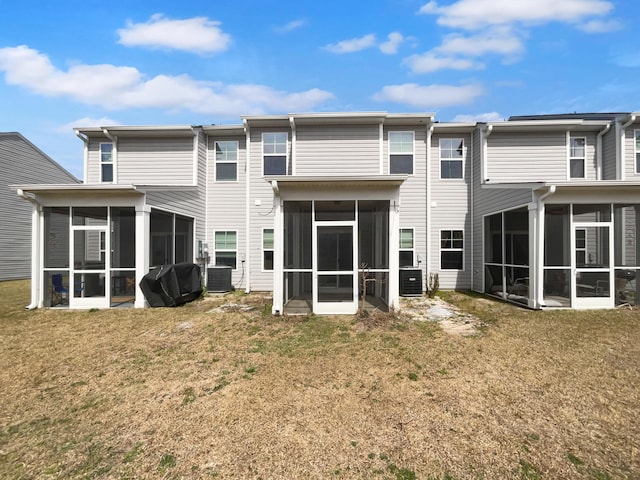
<point>461,160</point>
<point>571,157</point>
<point>413,244</point>
<point>272,250</point>
<point>216,249</point>
<point>103,163</point>
<point>412,153</point>
<point>636,150</point>
<point>225,160</point>
<point>582,249</point>
<point>286,151</point>
<point>451,248</point>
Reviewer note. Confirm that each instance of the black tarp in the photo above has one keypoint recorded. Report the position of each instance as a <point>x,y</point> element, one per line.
<point>172,285</point>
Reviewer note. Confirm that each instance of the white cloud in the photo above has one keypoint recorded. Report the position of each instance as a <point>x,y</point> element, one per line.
<point>501,41</point>
<point>600,26</point>
<point>480,117</point>
<point>430,62</point>
<point>394,40</point>
<point>353,44</point>
<point>470,14</point>
<point>292,25</point>
<point>429,96</point>
<point>86,122</point>
<point>198,34</point>
<point>115,88</point>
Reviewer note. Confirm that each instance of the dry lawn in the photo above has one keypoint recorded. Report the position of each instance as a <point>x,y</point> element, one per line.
<point>193,393</point>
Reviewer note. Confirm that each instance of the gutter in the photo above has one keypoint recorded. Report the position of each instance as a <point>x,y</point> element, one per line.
<point>294,137</point>
<point>114,153</point>
<point>247,213</point>
<point>85,140</point>
<point>430,130</point>
<point>599,151</point>
<point>35,250</point>
<point>622,163</point>
<point>483,154</point>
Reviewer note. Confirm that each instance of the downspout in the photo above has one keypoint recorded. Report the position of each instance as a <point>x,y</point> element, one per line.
<point>114,158</point>
<point>471,217</point>
<point>539,250</point>
<point>430,130</point>
<point>247,226</point>
<point>632,118</point>
<point>599,151</point>
<point>294,139</point>
<point>484,153</point>
<point>35,250</point>
<point>85,140</point>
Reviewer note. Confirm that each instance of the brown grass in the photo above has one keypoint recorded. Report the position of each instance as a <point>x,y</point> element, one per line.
<point>193,393</point>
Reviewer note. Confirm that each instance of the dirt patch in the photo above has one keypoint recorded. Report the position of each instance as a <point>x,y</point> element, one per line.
<point>450,318</point>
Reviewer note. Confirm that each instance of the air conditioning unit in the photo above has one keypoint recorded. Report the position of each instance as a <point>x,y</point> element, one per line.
<point>410,282</point>
<point>219,279</point>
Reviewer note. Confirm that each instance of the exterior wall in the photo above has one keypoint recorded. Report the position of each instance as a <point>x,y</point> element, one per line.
<point>226,205</point>
<point>450,210</point>
<point>261,208</point>
<point>344,149</point>
<point>21,163</point>
<point>609,159</point>
<point>155,161</point>
<point>92,173</point>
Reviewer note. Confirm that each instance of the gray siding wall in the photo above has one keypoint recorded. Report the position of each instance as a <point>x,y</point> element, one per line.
<point>226,204</point>
<point>450,210</point>
<point>523,157</point>
<point>609,155</point>
<point>93,160</point>
<point>21,163</point>
<point>339,149</point>
<point>261,209</point>
<point>155,161</point>
<point>487,201</point>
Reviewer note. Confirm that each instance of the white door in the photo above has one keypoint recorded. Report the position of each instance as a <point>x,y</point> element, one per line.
<point>335,279</point>
<point>89,286</point>
<point>593,274</point>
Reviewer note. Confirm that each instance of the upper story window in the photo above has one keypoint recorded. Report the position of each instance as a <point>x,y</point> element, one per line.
<point>401,152</point>
<point>451,157</point>
<point>106,162</point>
<point>226,161</point>
<point>577,156</point>
<point>274,153</point>
<point>636,144</point>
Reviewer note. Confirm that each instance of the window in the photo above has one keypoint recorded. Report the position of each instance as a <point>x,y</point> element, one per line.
<point>226,248</point>
<point>637,149</point>
<point>267,248</point>
<point>226,161</point>
<point>581,247</point>
<point>406,247</point>
<point>451,157</point>
<point>451,250</point>
<point>274,153</point>
<point>401,152</point>
<point>106,162</point>
<point>577,155</point>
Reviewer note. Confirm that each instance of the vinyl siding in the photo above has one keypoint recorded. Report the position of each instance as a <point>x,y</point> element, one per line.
<point>261,216</point>
<point>93,160</point>
<point>609,155</point>
<point>522,157</point>
<point>629,153</point>
<point>337,150</point>
<point>450,207</point>
<point>226,204</point>
<point>21,163</point>
<point>155,161</point>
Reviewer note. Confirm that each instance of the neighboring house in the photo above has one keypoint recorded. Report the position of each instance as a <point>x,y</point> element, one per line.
<point>21,162</point>
<point>540,210</point>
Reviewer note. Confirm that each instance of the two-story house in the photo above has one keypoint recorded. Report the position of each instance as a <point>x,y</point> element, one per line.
<point>538,210</point>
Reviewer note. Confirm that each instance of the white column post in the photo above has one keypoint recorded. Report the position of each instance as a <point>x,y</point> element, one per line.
<point>143,245</point>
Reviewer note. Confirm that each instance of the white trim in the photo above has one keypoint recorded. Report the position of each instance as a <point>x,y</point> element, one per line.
<point>429,220</point>
<point>216,250</point>
<point>413,151</point>
<point>225,161</point>
<point>247,207</point>
<point>286,153</point>
<point>452,249</point>
<point>381,148</point>
<point>462,159</point>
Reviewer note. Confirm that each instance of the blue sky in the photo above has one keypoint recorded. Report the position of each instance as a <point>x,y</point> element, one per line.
<point>68,64</point>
